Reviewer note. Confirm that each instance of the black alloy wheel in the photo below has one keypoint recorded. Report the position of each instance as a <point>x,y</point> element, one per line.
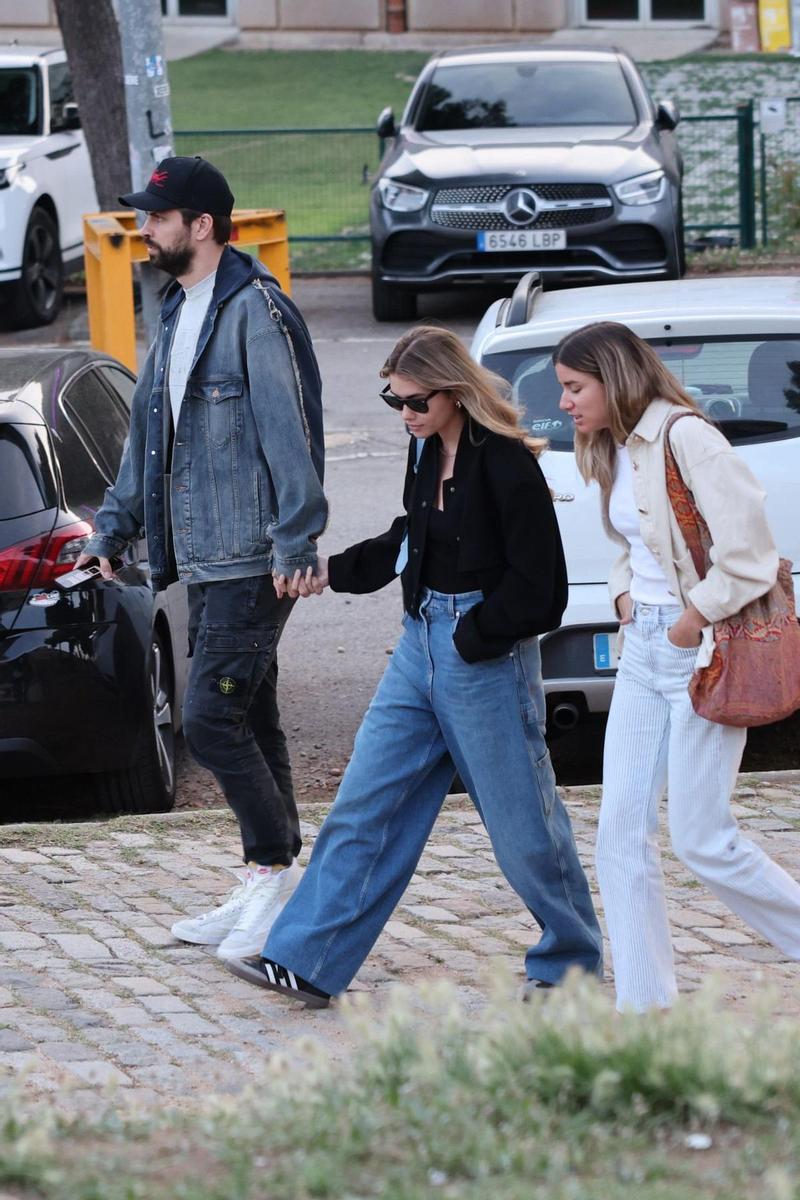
<point>161,692</point>
<point>39,293</point>
<point>149,785</point>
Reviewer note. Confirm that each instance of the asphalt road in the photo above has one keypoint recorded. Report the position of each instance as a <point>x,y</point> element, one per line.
<point>335,647</point>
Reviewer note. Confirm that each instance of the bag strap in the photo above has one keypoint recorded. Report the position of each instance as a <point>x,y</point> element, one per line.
<point>277,316</point>
<point>690,520</point>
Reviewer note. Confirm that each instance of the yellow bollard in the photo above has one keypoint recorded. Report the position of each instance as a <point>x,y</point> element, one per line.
<point>109,252</point>
<point>112,244</point>
<point>265,230</point>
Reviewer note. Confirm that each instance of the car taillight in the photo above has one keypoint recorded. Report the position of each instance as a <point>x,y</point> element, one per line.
<point>39,561</point>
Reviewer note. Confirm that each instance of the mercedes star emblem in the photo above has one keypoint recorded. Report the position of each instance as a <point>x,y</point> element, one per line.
<point>520,206</point>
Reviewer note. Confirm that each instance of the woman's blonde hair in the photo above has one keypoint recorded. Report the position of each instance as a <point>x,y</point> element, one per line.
<point>632,374</point>
<point>437,360</point>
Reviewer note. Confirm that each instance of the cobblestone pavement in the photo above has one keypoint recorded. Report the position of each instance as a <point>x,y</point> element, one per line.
<point>94,991</point>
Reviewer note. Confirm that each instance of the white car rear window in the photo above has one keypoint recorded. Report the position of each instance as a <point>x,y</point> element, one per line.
<point>750,387</point>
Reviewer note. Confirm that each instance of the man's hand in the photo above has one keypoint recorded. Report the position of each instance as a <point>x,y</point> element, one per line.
<point>303,585</point>
<point>106,570</point>
<point>625,608</point>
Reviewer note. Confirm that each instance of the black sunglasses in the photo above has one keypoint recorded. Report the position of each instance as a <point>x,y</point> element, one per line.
<point>417,404</point>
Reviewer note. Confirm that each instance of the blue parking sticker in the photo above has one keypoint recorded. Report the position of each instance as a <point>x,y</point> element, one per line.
<point>605,657</point>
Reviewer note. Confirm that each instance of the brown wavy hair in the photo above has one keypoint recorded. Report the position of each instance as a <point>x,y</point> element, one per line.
<point>632,374</point>
<point>439,362</point>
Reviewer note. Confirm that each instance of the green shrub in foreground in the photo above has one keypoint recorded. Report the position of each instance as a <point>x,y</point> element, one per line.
<point>501,1103</point>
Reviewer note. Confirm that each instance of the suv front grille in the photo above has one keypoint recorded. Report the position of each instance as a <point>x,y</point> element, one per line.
<point>472,195</point>
<point>562,205</point>
<point>571,191</point>
<point>452,218</point>
<point>491,193</point>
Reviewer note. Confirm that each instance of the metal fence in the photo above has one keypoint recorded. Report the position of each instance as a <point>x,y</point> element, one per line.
<point>739,181</point>
<point>717,197</point>
<point>321,177</point>
<point>740,178</point>
<point>778,184</point>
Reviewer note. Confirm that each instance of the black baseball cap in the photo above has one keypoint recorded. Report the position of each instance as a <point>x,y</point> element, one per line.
<point>184,183</point>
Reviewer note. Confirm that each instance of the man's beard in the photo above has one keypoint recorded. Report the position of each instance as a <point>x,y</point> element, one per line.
<point>175,262</point>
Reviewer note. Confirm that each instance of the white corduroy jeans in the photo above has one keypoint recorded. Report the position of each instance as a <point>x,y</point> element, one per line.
<point>654,739</point>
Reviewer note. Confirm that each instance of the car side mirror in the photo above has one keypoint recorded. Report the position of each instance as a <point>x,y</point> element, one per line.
<point>667,114</point>
<point>69,118</point>
<point>386,127</point>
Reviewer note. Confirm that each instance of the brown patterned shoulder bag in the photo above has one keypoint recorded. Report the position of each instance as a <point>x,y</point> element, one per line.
<point>754,675</point>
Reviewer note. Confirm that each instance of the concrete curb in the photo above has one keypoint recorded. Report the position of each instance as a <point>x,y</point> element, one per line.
<point>454,800</point>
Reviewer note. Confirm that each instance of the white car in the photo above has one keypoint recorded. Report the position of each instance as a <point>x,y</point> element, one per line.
<point>734,344</point>
<point>46,183</point>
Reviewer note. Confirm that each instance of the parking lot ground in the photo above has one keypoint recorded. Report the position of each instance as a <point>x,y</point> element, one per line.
<point>94,990</point>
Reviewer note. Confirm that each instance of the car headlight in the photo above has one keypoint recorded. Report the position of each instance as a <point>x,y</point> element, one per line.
<point>400,197</point>
<point>643,189</point>
<point>9,174</point>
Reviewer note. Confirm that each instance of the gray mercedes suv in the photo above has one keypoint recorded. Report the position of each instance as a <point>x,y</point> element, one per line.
<point>512,158</point>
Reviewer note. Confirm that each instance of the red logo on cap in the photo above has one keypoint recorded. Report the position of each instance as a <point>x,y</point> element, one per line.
<point>159,178</point>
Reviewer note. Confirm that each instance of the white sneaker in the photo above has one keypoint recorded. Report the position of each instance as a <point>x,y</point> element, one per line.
<point>213,927</point>
<point>264,901</point>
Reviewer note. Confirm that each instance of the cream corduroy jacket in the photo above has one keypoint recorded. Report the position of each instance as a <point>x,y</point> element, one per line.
<point>743,556</point>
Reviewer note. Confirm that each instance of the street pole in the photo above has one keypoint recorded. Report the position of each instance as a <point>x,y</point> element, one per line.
<point>149,118</point>
<point>795,50</point>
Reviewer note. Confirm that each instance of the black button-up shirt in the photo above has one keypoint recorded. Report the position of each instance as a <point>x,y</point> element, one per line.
<point>508,541</point>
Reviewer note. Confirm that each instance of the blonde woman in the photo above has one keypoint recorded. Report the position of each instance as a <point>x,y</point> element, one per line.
<point>482,574</point>
<point>622,398</point>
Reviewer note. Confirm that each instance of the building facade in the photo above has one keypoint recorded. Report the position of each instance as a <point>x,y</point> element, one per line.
<point>416,16</point>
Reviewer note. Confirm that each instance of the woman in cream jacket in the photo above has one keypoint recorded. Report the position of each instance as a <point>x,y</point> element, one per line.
<point>621,397</point>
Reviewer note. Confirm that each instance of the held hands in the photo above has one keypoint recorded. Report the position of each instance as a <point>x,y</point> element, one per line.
<point>307,584</point>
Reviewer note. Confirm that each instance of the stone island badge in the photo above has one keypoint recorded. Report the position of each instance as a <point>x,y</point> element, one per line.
<point>227,685</point>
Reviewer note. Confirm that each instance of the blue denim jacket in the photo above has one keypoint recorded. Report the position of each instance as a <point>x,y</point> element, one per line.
<point>245,487</point>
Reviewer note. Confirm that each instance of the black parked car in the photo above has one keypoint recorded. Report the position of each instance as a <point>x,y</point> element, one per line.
<point>518,158</point>
<point>91,680</point>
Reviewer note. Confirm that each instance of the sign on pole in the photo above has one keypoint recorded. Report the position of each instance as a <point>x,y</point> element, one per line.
<point>772,114</point>
<point>149,117</point>
<point>795,28</point>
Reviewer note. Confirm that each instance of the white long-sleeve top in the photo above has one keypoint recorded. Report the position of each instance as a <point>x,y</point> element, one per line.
<point>649,584</point>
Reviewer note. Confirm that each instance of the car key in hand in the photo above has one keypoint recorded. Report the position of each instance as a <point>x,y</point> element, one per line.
<point>76,578</point>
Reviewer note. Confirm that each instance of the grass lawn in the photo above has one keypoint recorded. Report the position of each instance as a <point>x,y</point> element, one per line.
<point>279,88</point>
<point>322,180</point>
<point>561,1099</point>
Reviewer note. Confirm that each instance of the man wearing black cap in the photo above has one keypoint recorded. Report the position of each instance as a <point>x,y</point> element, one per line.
<point>223,469</point>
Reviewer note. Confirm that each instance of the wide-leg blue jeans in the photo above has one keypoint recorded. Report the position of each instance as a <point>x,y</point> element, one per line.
<point>432,710</point>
